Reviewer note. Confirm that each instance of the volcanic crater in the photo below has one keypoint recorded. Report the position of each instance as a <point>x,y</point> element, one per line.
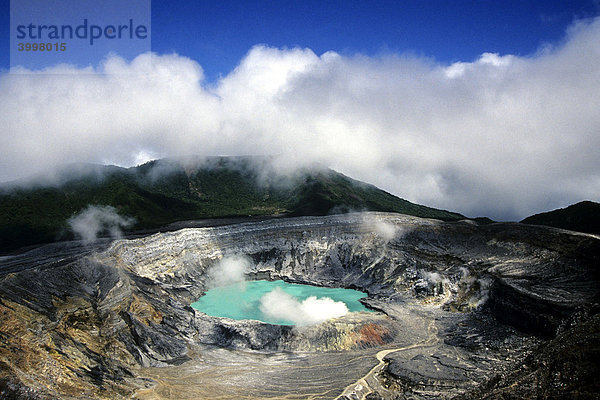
<point>458,307</point>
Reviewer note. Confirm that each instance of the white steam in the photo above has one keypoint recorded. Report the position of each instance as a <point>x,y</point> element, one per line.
<point>385,230</point>
<point>478,287</point>
<point>278,304</point>
<point>432,277</point>
<point>98,220</point>
<point>230,270</point>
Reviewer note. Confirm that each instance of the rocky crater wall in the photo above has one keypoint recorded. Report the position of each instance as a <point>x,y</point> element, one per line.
<point>79,326</point>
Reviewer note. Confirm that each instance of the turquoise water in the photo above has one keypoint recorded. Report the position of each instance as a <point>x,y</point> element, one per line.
<point>264,301</point>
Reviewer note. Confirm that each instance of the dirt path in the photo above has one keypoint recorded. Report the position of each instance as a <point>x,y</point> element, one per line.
<point>364,386</point>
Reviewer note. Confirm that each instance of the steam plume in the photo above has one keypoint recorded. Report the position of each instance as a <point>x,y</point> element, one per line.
<point>97,220</point>
<point>385,230</point>
<point>230,270</point>
<point>278,304</point>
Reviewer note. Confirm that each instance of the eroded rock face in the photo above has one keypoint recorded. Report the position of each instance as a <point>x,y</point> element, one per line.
<point>81,325</point>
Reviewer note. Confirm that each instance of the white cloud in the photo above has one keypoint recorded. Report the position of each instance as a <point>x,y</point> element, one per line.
<point>503,136</point>
<point>496,63</point>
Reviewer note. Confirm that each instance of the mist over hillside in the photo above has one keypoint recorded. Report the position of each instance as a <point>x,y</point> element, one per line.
<point>504,135</point>
<point>45,207</point>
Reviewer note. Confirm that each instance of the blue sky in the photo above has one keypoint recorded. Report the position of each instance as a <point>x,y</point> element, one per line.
<point>218,34</point>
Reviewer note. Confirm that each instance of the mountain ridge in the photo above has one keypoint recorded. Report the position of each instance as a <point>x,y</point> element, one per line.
<point>165,191</point>
<point>581,217</point>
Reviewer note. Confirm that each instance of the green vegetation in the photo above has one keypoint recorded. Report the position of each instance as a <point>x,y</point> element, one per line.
<point>165,191</point>
<point>581,217</point>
